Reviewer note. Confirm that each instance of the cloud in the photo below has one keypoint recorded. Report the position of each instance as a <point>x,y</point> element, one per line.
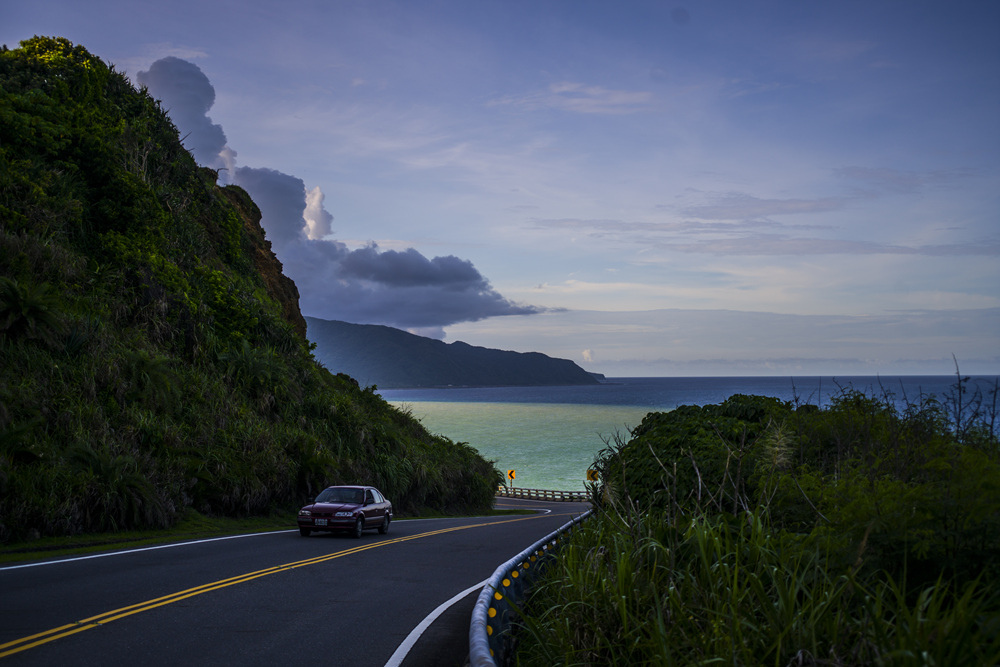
<point>403,288</point>
<point>187,95</point>
<point>761,238</point>
<point>282,202</point>
<point>897,181</point>
<point>367,285</point>
<point>410,268</point>
<point>740,224</point>
<point>646,231</point>
<point>737,206</point>
<point>773,244</point>
<point>163,49</point>
<point>701,342</point>
<point>318,220</point>
<point>580,98</point>
<point>829,50</point>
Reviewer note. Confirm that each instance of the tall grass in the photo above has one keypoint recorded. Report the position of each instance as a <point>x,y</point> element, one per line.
<point>729,590</point>
<point>756,533</point>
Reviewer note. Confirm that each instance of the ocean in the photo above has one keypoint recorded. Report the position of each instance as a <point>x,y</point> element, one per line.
<point>549,435</point>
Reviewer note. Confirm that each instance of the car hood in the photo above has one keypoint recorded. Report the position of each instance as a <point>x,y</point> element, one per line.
<point>332,507</point>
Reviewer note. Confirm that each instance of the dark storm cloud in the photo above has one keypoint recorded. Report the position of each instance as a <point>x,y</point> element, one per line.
<point>281,199</point>
<point>409,268</point>
<point>187,95</point>
<point>398,288</point>
<point>403,289</point>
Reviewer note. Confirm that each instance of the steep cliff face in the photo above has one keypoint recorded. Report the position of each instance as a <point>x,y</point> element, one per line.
<point>280,287</point>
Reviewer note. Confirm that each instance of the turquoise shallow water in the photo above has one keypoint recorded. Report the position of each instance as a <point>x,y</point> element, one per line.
<point>549,435</point>
<point>549,446</point>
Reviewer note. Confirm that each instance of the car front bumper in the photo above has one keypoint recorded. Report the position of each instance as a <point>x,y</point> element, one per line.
<point>327,523</point>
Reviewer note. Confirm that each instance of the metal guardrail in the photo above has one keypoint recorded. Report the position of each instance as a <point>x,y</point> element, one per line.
<point>543,494</point>
<point>489,630</point>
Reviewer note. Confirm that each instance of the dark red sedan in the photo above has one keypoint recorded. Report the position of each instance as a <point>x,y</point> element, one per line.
<point>351,508</point>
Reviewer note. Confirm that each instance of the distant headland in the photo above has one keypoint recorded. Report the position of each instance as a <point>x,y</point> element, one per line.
<point>391,358</point>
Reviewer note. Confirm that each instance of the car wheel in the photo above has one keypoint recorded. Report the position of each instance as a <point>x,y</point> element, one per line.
<point>359,526</point>
<point>384,528</point>
<point>304,532</point>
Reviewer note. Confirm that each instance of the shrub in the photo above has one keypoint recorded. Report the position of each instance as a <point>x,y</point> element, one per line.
<point>755,532</point>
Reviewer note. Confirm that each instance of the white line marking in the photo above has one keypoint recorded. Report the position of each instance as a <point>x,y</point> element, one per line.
<point>180,544</point>
<point>132,551</point>
<point>397,658</point>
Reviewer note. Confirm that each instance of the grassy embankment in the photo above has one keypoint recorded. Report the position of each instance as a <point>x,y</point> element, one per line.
<point>152,355</point>
<point>757,532</point>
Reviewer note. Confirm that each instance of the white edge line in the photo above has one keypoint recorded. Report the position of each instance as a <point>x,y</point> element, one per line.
<point>397,658</point>
<point>164,546</point>
<point>132,551</point>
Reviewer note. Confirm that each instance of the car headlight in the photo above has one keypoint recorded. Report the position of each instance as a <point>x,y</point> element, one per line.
<point>305,513</point>
<point>345,514</point>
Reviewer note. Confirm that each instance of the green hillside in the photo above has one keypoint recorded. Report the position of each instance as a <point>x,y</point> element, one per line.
<point>153,357</point>
<point>389,357</point>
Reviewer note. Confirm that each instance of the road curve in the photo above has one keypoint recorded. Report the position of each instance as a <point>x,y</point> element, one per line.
<point>272,598</point>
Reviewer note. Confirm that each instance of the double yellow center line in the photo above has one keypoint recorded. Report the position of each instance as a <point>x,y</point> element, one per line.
<point>25,643</point>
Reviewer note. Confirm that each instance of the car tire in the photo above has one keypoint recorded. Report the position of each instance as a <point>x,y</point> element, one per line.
<point>359,526</point>
<point>304,532</point>
<point>384,528</point>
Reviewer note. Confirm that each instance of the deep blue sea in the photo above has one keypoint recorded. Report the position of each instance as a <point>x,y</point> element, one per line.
<point>549,435</point>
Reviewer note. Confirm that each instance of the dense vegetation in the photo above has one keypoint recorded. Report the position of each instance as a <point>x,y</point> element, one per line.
<point>388,357</point>
<point>759,532</point>
<point>152,356</point>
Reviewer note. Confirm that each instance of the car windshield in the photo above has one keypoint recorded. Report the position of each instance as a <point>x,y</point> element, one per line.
<point>341,495</point>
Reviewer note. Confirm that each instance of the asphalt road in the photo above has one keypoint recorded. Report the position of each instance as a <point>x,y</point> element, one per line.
<point>273,598</point>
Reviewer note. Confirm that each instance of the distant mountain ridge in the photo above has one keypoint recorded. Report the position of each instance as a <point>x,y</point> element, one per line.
<point>391,358</point>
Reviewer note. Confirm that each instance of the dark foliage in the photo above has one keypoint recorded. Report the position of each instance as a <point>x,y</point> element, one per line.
<point>757,532</point>
<point>912,490</point>
<point>152,356</point>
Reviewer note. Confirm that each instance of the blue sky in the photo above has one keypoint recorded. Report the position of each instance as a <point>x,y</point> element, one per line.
<point>647,188</point>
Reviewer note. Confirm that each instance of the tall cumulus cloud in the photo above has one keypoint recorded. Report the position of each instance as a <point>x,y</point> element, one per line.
<point>187,95</point>
<point>366,285</point>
